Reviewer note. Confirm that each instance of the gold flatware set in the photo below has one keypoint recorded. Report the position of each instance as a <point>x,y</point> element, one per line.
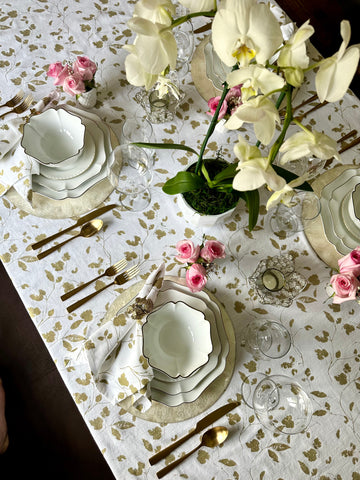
<point>21,107</point>
<point>14,100</point>
<point>213,437</point>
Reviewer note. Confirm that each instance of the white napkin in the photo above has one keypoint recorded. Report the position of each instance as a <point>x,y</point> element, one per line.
<point>17,168</point>
<point>115,350</point>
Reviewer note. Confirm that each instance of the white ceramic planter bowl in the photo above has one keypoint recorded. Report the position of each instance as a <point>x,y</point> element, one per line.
<point>195,218</point>
<point>176,339</point>
<point>53,136</point>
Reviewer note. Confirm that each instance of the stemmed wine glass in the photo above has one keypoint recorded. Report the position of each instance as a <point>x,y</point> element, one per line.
<point>304,208</point>
<point>134,178</point>
<point>279,402</point>
<point>266,339</point>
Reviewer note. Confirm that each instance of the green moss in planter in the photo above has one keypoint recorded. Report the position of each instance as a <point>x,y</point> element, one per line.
<point>209,201</point>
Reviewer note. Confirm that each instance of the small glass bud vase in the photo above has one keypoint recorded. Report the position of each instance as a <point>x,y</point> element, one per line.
<point>88,99</point>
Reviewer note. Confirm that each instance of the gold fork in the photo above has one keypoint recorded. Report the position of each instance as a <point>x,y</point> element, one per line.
<point>22,107</point>
<point>109,272</point>
<point>119,280</point>
<point>15,100</point>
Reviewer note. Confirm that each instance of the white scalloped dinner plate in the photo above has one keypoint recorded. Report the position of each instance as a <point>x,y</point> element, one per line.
<point>330,218</point>
<point>184,390</point>
<point>102,143</point>
<point>93,168</point>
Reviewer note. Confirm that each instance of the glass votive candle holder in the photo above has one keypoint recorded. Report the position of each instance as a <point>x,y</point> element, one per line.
<point>273,279</point>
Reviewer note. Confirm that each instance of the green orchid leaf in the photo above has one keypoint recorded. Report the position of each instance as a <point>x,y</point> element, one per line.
<point>252,199</point>
<point>183,182</point>
<point>165,146</point>
<point>228,172</point>
<point>289,176</point>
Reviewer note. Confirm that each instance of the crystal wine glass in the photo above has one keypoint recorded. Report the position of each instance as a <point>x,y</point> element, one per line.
<point>134,178</point>
<point>279,402</point>
<point>266,339</point>
<point>304,208</point>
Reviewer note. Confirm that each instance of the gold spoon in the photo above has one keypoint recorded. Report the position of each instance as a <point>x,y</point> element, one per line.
<point>211,438</point>
<point>87,230</point>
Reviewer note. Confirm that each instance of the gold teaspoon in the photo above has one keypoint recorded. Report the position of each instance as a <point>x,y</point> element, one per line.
<point>211,438</point>
<point>87,230</point>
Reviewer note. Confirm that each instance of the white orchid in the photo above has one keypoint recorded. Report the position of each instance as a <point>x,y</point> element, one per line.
<point>293,57</point>
<point>261,112</point>
<point>135,73</point>
<point>243,30</point>
<point>155,45</point>
<point>336,72</point>
<point>255,79</point>
<point>157,11</point>
<point>254,171</point>
<point>285,194</point>
<point>199,5</point>
<point>307,143</point>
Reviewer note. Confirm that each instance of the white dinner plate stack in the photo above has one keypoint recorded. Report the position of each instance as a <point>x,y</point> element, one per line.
<point>341,226</point>
<point>175,391</point>
<point>89,167</point>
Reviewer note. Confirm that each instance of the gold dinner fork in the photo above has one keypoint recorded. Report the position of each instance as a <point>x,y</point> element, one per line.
<point>15,100</point>
<point>22,107</point>
<point>119,280</point>
<point>109,272</point>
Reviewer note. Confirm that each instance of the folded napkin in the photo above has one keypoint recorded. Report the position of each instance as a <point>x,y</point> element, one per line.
<point>115,350</point>
<point>17,168</point>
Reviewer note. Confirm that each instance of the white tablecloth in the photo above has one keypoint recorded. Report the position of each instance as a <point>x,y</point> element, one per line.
<point>325,352</point>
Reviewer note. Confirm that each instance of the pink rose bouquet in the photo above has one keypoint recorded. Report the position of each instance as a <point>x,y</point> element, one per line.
<point>199,260</point>
<point>75,78</point>
<point>346,283</point>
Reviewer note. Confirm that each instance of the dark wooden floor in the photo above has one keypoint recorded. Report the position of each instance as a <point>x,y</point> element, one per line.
<point>48,437</point>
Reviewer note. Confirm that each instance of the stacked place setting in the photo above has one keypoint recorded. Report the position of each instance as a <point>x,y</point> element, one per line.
<point>338,199</point>
<point>176,390</point>
<point>66,173</point>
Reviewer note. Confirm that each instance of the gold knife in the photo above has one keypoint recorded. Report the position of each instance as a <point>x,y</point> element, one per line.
<point>81,221</point>
<point>203,423</point>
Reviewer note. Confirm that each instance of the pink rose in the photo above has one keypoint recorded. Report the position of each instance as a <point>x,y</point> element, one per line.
<point>54,69</point>
<point>345,286</point>
<point>196,277</point>
<point>188,252</point>
<point>350,263</point>
<point>84,67</point>
<point>212,249</point>
<point>73,84</point>
<point>213,103</point>
<point>61,75</point>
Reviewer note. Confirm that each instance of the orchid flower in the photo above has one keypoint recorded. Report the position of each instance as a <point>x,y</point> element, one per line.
<point>307,143</point>
<point>155,45</point>
<point>135,73</point>
<point>243,30</point>
<point>157,11</point>
<point>336,72</point>
<point>199,5</point>
<point>261,112</point>
<point>293,57</point>
<point>254,170</point>
<point>285,194</point>
<point>255,79</point>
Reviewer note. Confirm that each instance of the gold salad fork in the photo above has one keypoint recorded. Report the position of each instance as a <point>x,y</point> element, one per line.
<point>15,100</point>
<point>22,107</point>
<point>119,280</point>
<point>109,272</point>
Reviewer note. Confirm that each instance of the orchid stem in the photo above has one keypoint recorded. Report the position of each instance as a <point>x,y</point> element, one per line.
<point>288,119</point>
<point>211,127</point>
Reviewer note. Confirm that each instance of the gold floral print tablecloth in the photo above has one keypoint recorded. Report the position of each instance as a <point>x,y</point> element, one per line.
<point>325,351</point>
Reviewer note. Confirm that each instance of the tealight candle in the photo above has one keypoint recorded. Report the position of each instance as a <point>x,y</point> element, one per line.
<point>273,279</point>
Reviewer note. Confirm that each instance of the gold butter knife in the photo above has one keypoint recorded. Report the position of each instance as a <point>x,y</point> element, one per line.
<point>203,423</point>
<point>81,221</point>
